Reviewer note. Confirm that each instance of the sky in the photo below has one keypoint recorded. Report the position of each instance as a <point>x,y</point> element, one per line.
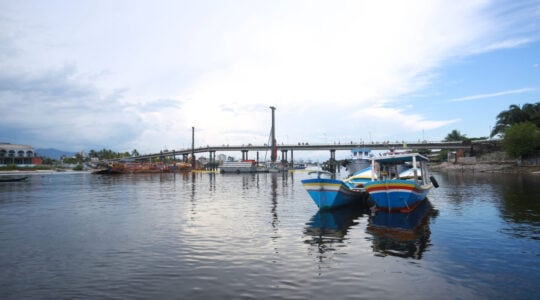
<point>124,75</point>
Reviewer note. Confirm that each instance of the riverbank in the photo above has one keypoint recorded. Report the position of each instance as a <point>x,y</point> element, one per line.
<point>487,167</point>
<point>38,172</point>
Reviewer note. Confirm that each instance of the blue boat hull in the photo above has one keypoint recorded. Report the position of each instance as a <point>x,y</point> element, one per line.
<point>331,193</point>
<point>397,195</point>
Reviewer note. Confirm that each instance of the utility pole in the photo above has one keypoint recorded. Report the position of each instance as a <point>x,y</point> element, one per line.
<point>193,147</point>
<point>273,154</point>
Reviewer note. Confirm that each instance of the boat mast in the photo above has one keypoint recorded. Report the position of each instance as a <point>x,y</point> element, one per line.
<point>273,154</point>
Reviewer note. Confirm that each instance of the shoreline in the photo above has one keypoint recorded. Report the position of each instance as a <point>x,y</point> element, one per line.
<point>505,167</point>
<point>39,172</point>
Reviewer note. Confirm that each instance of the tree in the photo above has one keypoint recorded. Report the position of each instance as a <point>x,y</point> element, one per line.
<point>134,152</point>
<point>521,139</point>
<point>514,115</point>
<point>455,136</point>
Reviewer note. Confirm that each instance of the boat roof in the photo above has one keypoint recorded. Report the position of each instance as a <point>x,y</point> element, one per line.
<point>399,158</point>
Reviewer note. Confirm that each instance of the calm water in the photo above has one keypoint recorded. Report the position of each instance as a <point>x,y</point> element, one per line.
<point>259,236</point>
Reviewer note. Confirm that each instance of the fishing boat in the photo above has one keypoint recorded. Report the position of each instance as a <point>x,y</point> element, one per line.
<point>136,167</point>
<point>328,193</point>
<point>360,159</point>
<point>396,190</point>
<point>13,178</point>
<point>244,166</point>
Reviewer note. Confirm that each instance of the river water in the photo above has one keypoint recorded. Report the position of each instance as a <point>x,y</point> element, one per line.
<point>259,236</point>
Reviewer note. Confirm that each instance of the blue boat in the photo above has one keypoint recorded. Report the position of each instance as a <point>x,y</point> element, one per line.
<point>328,193</point>
<point>397,190</point>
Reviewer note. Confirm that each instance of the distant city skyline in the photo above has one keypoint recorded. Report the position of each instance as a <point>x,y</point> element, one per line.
<point>124,75</point>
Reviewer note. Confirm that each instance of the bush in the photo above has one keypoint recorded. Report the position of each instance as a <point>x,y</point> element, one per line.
<point>521,140</point>
<point>78,167</point>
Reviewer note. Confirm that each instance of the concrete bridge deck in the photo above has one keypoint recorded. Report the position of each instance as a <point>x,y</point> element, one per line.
<point>284,148</point>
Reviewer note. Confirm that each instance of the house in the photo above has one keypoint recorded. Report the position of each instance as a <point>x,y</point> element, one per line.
<point>18,154</point>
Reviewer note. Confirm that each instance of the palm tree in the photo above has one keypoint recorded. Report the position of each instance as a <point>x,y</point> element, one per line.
<point>455,136</point>
<point>514,115</point>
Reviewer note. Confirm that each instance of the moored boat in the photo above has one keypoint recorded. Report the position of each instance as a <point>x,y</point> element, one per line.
<point>13,178</point>
<point>403,191</point>
<point>328,193</point>
<point>244,166</point>
<point>360,159</point>
<point>135,167</point>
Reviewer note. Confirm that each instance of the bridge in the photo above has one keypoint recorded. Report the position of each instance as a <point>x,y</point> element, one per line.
<point>286,148</point>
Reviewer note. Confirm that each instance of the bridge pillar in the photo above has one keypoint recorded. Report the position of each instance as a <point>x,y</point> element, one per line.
<point>212,160</point>
<point>284,156</point>
<point>244,154</point>
<point>332,163</point>
<point>292,158</point>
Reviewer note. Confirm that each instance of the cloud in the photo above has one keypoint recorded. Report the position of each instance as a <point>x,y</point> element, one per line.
<point>492,95</point>
<point>396,121</point>
<point>126,75</point>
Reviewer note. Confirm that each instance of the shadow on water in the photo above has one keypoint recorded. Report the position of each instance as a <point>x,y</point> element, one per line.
<point>404,235</point>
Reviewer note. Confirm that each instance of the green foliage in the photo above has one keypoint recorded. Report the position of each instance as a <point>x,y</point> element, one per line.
<point>521,139</point>
<point>515,115</point>
<point>48,161</point>
<point>442,155</point>
<point>10,167</point>
<point>109,154</point>
<point>455,136</point>
<point>424,152</point>
<point>78,167</point>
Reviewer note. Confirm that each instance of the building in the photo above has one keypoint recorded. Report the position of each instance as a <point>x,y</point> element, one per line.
<point>18,155</point>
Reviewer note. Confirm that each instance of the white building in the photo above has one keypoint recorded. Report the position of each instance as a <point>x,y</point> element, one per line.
<point>18,155</point>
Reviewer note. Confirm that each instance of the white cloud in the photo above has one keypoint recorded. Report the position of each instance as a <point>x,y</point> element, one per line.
<point>492,95</point>
<point>219,65</point>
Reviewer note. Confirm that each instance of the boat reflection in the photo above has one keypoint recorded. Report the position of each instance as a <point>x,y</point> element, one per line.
<point>404,235</point>
<point>328,227</point>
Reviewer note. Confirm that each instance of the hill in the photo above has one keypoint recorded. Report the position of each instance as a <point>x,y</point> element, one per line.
<point>53,153</point>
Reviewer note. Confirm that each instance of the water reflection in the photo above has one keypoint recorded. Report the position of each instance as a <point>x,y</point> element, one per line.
<point>329,227</point>
<point>401,234</point>
<point>520,208</point>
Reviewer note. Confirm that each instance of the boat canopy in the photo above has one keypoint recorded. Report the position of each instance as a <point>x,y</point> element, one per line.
<point>399,158</point>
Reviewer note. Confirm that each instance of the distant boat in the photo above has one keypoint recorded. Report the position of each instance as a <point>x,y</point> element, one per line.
<point>135,167</point>
<point>360,159</point>
<point>13,178</point>
<point>245,166</point>
<point>328,193</point>
<point>299,167</point>
<point>396,190</point>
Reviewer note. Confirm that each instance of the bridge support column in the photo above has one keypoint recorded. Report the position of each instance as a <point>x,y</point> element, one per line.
<point>212,160</point>
<point>284,156</point>
<point>244,154</point>
<point>292,158</point>
<point>332,163</point>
